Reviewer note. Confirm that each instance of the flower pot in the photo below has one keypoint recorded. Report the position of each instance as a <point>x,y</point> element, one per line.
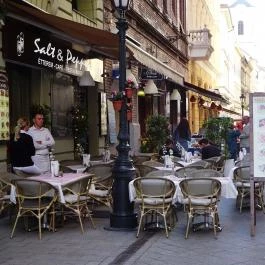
<point>129,115</point>
<point>117,104</point>
<point>128,92</point>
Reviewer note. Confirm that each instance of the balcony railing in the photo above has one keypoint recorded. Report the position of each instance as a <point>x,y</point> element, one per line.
<point>200,47</point>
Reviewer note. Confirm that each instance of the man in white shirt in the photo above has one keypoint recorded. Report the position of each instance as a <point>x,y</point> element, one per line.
<point>244,136</point>
<point>43,141</point>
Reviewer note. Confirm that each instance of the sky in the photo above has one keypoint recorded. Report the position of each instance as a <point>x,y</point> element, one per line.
<point>258,19</point>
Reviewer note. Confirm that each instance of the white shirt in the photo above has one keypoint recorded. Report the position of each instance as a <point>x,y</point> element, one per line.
<point>43,135</point>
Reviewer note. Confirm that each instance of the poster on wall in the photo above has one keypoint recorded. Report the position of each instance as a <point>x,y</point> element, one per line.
<point>103,114</point>
<point>4,107</point>
<point>258,103</point>
<point>112,123</point>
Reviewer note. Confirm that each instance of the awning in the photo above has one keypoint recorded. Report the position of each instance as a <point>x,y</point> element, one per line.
<point>99,42</point>
<point>204,92</point>
<point>231,112</point>
<point>153,63</point>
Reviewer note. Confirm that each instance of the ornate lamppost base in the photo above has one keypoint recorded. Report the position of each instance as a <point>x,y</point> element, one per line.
<point>122,223</point>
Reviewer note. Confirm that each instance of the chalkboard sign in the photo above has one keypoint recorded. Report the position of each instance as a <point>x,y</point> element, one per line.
<point>112,123</point>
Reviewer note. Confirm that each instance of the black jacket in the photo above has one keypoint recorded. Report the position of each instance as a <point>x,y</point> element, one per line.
<point>21,151</point>
<point>210,151</point>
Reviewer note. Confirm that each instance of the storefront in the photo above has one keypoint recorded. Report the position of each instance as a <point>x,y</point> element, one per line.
<point>44,58</point>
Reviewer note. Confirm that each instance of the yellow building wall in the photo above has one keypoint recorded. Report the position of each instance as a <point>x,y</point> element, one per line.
<point>201,13</point>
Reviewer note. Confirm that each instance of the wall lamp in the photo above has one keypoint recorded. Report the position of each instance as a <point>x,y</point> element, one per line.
<point>174,38</point>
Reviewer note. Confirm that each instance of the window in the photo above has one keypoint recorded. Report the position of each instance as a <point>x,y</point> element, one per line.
<point>88,8</point>
<point>165,6</point>
<point>240,30</point>
<point>182,13</point>
<point>174,8</point>
<point>63,89</point>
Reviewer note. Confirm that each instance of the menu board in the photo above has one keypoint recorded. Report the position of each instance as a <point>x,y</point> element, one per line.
<point>258,135</point>
<point>4,108</point>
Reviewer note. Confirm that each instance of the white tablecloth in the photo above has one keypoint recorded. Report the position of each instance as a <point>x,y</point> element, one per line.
<point>57,182</point>
<point>167,168</point>
<point>100,162</point>
<point>77,168</point>
<point>228,189</point>
<point>193,160</point>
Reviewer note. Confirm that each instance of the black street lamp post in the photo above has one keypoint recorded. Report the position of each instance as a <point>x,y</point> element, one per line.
<point>122,216</point>
<point>242,100</point>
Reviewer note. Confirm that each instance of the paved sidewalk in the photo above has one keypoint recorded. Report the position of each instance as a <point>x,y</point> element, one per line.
<point>67,246</point>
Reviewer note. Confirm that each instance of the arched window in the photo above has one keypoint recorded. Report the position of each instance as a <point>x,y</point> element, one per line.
<point>240,30</point>
<point>182,13</point>
<point>165,10</point>
<point>174,8</point>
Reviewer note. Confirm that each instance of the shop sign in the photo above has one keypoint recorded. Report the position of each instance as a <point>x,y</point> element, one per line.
<point>147,74</point>
<point>33,46</point>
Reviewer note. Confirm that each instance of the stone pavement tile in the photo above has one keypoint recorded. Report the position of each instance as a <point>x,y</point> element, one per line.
<point>233,245</point>
<point>67,246</point>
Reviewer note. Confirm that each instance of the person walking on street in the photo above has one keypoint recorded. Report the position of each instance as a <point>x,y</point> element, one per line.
<point>182,134</point>
<point>244,136</point>
<point>21,149</point>
<point>43,141</point>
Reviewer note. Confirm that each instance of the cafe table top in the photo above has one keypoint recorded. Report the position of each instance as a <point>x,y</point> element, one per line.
<point>228,189</point>
<point>57,182</point>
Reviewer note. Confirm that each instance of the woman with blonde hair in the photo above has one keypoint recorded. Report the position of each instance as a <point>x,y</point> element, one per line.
<point>22,148</point>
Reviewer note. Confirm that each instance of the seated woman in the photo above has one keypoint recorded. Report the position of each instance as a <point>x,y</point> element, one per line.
<point>169,149</point>
<point>21,149</point>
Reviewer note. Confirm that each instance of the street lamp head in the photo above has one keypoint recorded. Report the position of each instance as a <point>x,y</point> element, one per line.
<point>242,98</point>
<point>121,4</point>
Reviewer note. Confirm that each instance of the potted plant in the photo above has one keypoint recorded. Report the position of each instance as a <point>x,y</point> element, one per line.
<point>156,133</point>
<point>216,130</point>
<point>117,99</point>
<point>129,87</point>
<point>80,131</point>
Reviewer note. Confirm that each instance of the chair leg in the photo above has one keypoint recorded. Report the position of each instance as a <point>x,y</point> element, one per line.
<point>165,223</point>
<point>15,224</point>
<point>140,223</point>
<point>52,221</point>
<point>90,217</point>
<point>189,216</point>
<point>78,211</point>
<point>213,215</point>
<point>241,203</point>
<point>39,219</point>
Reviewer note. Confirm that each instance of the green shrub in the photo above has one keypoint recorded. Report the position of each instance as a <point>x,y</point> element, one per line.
<point>156,133</point>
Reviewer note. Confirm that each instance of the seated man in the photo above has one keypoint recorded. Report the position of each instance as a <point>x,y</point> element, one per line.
<point>169,149</point>
<point>208,150</point>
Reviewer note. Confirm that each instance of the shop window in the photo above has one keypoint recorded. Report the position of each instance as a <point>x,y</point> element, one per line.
<point>20,83</point>
<point>62,102</point>
<point>88,8</point>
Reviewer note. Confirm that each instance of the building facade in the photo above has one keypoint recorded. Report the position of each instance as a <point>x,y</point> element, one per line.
<point>52,57</point>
